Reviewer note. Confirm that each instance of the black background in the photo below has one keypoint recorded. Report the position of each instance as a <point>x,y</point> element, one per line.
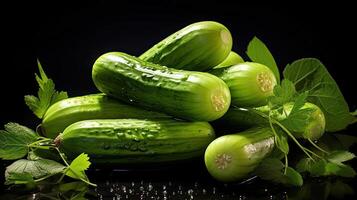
<point>67,39</point>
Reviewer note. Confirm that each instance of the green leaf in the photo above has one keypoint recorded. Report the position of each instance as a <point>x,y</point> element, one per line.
<point>304,165</point>
<point>258,52</point>
<point>35,168</point>
<point>47,95</point>
<point>272,169</point>
<point>309,74</point>
<point>19,178</point>
<point>293,177</point>
<point>14,141</point>
<point>78,166</point>
<point>298,120</point>
<point>340,156</point>
<point>282,94</point>
<point>326,168</point>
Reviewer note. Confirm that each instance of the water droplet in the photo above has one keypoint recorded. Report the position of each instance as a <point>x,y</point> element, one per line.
<point>150,187</point>
<point>132,184</point>
<point>141,188</point>
<point>164,187</point>
<point>204,191</point>
<point>190,192</point>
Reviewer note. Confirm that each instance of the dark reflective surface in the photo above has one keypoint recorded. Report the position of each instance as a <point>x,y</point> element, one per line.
<point>180,181</point>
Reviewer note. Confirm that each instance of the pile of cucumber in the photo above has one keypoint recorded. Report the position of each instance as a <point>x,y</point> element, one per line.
<point>161,107</point>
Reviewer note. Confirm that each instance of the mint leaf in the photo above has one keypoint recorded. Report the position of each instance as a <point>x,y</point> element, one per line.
<point>309,74</point>
<point>340,156</point>
<point>282,94</point>
<point>14,141</point>
<point>35,168</point>
<point>272,169</point>
<point>258,52</point>
<point>78,166</point>
<point>47,95</point>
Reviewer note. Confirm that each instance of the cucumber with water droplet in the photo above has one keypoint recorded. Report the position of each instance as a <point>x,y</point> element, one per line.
<point>189,95</point>
<point>95,106</point>
<point>136,141</point>
<point>197,47</point>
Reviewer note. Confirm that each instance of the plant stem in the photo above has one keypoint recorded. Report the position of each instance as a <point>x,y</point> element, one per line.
<point>75,173</point>
<point>293,138</point>
<point>286,164</point>
<point>316,146</point>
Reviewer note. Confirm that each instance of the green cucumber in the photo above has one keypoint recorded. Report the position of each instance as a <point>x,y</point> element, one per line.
<point>232,157</point>
<point>232,59</point>
<point>96,106</point>
<point>196,96</point>
<point>136,141</point>
<point>197,47</point>
<point>250,83</point>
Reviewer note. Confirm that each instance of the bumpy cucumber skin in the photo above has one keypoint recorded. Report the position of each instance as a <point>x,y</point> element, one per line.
<point>197,47</point>
<point>196,96</point>
<point>232,157</point>
<point>250,83</point>
<point>136,141</point>
<point>232,59</point>
<point>96,106</point>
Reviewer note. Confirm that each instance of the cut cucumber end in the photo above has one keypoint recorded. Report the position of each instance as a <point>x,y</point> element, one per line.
<point>266,82</point>
<point>226,36</point>
<point>222,158</point>
<point>250,84</point>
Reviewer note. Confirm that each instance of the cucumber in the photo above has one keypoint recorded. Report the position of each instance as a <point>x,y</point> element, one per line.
<point>232,59</point>
<point>250,83</point>
<point>136,141</point>
<point>96,106</point>
<point>197,47</point>
<point>196,96</point>
<point>232,157</point>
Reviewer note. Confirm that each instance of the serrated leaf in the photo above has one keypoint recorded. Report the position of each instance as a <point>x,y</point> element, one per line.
<point>297,121</point>
<point>258,52</point>
<point>340,156</point>
<point>282,94</point>
<point>36,168</point>
<point>78,167</point>
<point>47,95</point>
<point>309,74</point>
<point>14,141</point>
